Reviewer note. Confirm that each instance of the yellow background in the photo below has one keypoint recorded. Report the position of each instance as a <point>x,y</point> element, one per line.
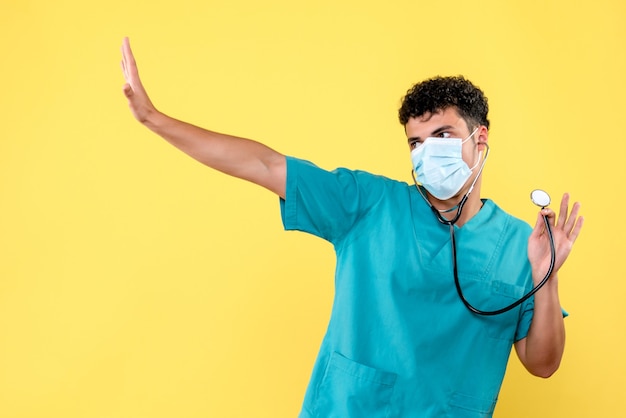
<point>134,282</point>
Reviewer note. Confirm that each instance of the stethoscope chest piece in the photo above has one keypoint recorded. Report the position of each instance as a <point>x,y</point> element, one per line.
<point>540,198</point>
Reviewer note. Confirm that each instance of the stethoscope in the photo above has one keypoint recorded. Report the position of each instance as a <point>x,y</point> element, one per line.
<point>539,198</point>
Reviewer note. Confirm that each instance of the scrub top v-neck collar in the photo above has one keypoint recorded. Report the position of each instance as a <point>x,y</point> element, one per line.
<point>421,207</point>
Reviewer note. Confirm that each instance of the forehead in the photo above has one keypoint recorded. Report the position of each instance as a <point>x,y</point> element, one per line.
<point>426,124</point>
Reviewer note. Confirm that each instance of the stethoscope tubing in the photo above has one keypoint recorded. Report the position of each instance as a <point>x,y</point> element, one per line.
<point>451,222</point>
<point>517,302</point>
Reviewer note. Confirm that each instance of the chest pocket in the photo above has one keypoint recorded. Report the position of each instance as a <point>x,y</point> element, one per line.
<point>353,390</point>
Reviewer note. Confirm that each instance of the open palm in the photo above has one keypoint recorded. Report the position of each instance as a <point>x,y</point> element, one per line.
<point>565,230</point>
<point>138,100</point>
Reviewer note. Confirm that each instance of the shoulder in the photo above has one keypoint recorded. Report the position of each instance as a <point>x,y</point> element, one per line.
<point>304,170</point>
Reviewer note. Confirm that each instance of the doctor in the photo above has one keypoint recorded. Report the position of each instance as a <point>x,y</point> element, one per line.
<point>400,343</point>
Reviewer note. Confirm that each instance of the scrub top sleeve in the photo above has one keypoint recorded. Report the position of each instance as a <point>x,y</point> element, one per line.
<point>326,203</point>
<point>526,317</point>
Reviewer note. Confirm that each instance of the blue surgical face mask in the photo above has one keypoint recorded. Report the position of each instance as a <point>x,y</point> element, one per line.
<point>439,166</point>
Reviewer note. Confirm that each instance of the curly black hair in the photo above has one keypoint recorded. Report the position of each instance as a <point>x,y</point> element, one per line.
<point>439,93</point>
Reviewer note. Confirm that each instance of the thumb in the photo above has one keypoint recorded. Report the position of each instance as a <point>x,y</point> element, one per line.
<point>539,226</point>
<point>128,90</point>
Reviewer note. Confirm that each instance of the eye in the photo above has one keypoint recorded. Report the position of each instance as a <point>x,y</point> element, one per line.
<point>444,134</point>
<point>414,143</point>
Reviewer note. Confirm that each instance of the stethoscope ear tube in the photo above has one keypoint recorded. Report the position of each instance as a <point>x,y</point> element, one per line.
<point>517,302</point>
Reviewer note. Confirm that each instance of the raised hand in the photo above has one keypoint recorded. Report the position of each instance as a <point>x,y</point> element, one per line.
<point>138,100</point>
<point>565,230</point>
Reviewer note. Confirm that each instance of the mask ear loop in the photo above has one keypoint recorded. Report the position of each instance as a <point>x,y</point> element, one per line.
<point>480,152</point>
<point>482,166</point>
<point>470,135</point>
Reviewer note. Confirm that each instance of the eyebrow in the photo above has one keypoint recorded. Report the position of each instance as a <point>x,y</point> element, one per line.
<point>433,133</point>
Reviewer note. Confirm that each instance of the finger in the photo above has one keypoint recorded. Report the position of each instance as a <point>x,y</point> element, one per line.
<point>550,214</point>
<point>124,72</point>
<point>571,221</point>
<point>539,228</point>
<point>563,210</point>
<point>129,59</point>
<point>126,52</point>
<point>123,51</point>
<point>576,230</point>
<point>123,63</point>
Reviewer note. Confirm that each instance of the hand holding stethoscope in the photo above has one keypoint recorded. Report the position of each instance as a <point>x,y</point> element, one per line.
<point>563,231</point>
<point>549,246</point>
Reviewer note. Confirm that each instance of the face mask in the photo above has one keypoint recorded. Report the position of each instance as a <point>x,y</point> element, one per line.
<point>439,166</point>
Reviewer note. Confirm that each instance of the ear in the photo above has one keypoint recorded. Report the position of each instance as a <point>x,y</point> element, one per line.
<point>482,136</point>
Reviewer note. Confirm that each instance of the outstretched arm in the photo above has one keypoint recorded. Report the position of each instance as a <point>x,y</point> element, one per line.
<point>541,351</point>
<point>239,157</point>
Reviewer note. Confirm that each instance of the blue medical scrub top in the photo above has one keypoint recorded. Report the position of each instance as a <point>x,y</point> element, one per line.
<point>400,343</point>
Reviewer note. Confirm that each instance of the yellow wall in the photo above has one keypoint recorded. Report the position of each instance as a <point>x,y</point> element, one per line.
<point>136,283</point>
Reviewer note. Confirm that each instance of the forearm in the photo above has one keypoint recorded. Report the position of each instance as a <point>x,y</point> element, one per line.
<point>238,157</point>
<point>545,343</point>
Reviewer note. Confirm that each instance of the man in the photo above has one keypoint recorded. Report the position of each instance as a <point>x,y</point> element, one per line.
<point>401,342</point>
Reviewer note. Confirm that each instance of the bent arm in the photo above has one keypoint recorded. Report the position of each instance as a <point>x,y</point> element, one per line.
<point>238,157</point>
<point>541,351</point>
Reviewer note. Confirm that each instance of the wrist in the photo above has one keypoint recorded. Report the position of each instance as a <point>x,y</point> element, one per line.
<point>155,120</point>
<point>538,275</point>
<point>549,291</point>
